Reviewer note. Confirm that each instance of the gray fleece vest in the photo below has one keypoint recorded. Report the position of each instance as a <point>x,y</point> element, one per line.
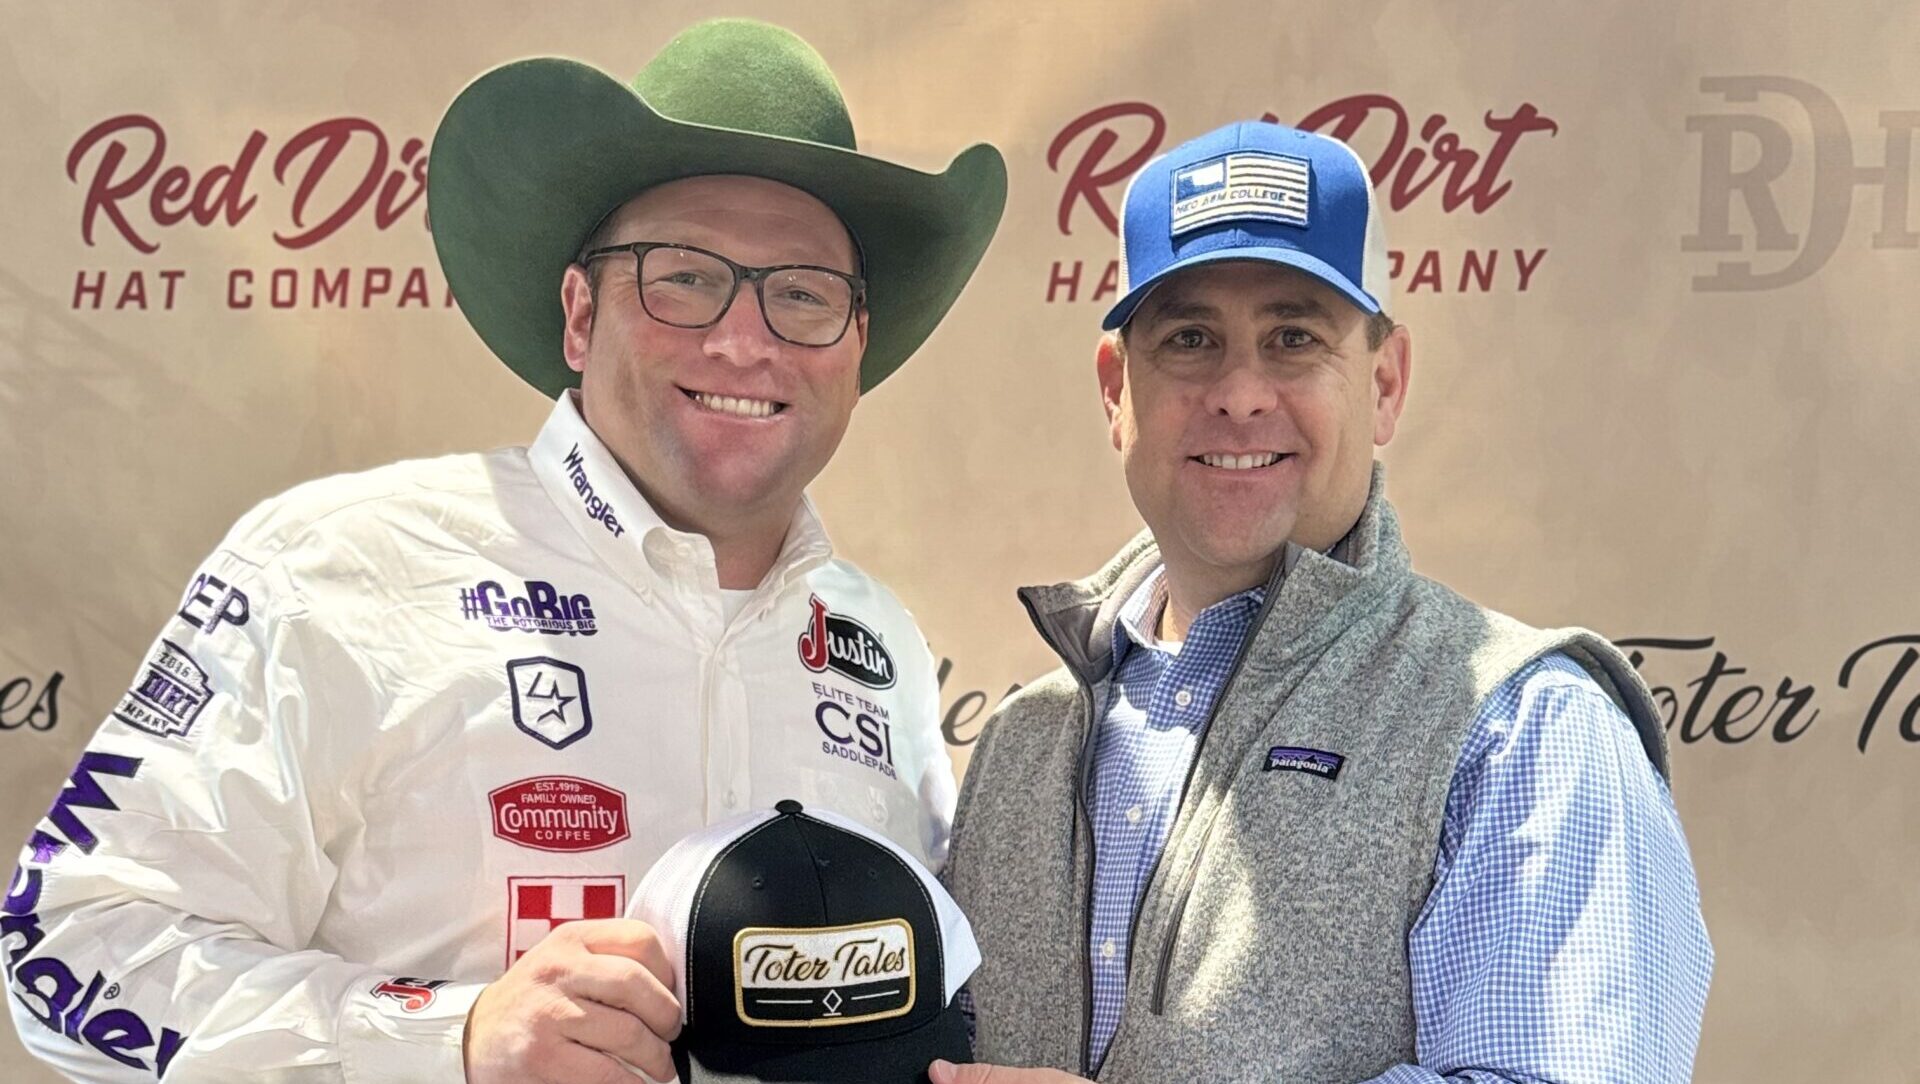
<point>1271,942</point>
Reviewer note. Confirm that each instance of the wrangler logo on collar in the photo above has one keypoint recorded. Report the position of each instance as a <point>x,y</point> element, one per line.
<point>823,977</point>
<point>845,646</point>
<point>599,509</point>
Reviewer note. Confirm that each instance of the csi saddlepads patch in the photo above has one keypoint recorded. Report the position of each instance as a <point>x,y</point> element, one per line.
<point>211,602</point>
<point>1241,185</point>
<point>537,905</point>
<point>1287,758</point>
<point>550,700</point>
<point>823,977</point>
<point>559,813</point>
<point>540,609</point>
<point>168,695</point>
<point>845,646</point>
<point>856,729</point>
<point>414,995</point>
<point>599,509</point>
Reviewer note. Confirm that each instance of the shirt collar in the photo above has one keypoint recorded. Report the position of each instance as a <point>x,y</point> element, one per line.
<point>1141,612</point>
<point>608,512</point>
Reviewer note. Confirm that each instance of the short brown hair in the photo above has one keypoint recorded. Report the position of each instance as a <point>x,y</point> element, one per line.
<point>1379,326</point>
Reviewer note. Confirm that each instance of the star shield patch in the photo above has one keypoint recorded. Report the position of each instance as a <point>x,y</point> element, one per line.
<point>550,700</point>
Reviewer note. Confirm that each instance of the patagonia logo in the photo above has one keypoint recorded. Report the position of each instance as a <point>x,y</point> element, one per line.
<point>1287,758</point>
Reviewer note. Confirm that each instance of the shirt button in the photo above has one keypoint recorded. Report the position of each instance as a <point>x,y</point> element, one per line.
<point>1182,698</point>
<point>1106,949</point>
<point>733,800</point>
<point>1133,815</point>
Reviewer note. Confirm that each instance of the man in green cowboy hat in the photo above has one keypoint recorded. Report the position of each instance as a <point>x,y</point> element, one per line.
<point>417,727</point>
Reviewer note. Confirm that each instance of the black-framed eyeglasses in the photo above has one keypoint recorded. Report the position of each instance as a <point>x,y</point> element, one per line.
<point>690,287</point>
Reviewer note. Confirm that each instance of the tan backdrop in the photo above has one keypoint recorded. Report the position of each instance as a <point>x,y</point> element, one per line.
<point>1660,269</point>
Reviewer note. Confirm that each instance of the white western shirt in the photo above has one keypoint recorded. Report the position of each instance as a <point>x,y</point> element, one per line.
<point>406,722</point>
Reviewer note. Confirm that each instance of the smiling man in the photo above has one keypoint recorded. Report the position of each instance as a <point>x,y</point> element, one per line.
<point>1289,811</point>
<point>373,807</point>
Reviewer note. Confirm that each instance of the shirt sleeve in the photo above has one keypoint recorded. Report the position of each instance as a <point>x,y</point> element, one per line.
<point>1562,942</point>
<point>160,917</point>
<point>936,788</point>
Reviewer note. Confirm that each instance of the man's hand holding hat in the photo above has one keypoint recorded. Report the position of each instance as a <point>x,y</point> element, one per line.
<point>588,997</point>
<point>946,1072</point>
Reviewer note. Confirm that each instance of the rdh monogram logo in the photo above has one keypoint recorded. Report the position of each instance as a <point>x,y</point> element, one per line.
<point>1752,155</point>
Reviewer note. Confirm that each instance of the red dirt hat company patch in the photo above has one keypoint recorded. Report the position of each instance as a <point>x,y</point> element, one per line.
<point>559,813</point>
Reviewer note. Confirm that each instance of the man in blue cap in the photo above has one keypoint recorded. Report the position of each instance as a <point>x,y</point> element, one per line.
<point>1290,811</point>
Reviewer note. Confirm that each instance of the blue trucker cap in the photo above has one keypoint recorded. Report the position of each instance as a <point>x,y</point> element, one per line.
<point>1253,190</point>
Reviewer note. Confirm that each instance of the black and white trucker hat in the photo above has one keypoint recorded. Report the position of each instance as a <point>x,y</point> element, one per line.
<point>807,948</point>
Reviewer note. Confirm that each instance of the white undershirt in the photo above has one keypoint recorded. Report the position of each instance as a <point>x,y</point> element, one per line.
<point>732,602</point>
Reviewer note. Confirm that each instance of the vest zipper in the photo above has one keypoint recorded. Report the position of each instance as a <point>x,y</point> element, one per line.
<point>1083,835</point>
<point>1084,829</point>
<point>1157,1005</point>
<point>1180,903</point>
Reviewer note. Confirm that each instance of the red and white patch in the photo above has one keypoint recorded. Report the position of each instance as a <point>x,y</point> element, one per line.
<point>559,813</point>
<point>414,995</point>
<point>537,905</point>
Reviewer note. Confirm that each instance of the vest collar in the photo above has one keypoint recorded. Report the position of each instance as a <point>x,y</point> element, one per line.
<point>1307,592</point>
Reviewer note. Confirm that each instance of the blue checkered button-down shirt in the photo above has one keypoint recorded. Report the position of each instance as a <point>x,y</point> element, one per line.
<point>1562,940</point>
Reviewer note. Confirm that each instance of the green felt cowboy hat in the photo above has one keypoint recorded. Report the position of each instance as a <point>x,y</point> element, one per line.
<point>532,155</point>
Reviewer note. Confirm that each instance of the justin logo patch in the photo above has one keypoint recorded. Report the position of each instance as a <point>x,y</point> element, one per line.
<point>845,646</point>
<point>823,977</point>
<point>1287,758</point>
<point>414,995</point>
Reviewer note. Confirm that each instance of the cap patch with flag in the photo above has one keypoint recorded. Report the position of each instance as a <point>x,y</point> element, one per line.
<point>1253,191</point>
<point>1249,185</point>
